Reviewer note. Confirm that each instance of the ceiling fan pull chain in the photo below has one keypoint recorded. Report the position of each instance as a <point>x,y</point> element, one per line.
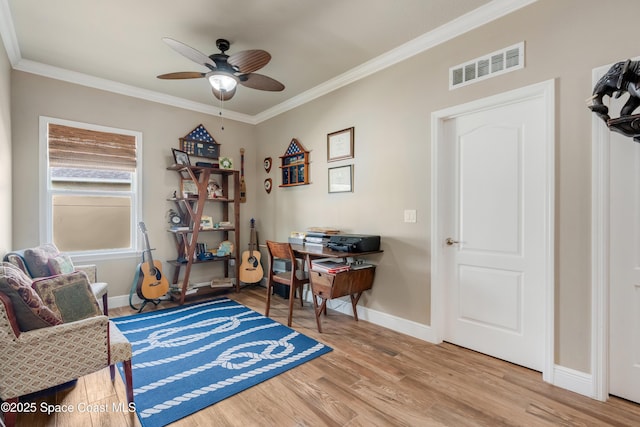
<point>221,108</point>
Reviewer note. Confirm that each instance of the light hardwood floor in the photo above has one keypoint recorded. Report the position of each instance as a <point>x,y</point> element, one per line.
<point>373,377</point>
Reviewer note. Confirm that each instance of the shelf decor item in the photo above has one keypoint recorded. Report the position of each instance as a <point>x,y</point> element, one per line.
<point>200,143</point>
<point>188,188</point>
<point>206,222</point>
<point>340,145</point>
<point>225,163</point>
<point>295,165</point>
<point>180,157</point>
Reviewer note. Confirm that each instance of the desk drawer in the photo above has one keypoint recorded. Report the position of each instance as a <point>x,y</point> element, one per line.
<point>322,283</point>
<point>329,285</point>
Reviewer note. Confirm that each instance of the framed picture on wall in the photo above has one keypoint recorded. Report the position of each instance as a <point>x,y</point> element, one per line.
<point>340,145</point>
<point>341,179</point>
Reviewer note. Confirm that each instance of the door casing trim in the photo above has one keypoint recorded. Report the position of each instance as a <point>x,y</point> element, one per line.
<point>600,248</point>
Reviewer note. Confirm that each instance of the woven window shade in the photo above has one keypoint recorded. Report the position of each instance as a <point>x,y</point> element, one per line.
<point>74,147</point>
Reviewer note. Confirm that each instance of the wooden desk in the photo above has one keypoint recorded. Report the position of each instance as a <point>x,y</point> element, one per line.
<point>327,286</point>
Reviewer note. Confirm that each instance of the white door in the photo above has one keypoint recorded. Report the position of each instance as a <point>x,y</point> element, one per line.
<point>624,282</point>
<point>495,231</point>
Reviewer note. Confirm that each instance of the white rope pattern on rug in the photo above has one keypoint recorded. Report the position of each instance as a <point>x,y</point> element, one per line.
<point>191,353</point>
<point>224,360</point>
<point>178,400</point>
<point>225,324</point>
<point>188,316</point>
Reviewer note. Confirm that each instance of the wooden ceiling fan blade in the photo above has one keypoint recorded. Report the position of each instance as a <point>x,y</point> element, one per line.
<point>224,95</point>
<point>249,61</point>
<point>261,82</point>
<point>189,52</point>
<point>182,75</point>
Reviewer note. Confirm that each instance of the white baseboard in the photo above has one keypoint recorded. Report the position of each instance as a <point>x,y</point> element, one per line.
<point>122,301</point>
<point>572,380</point>
<point>398,324</point>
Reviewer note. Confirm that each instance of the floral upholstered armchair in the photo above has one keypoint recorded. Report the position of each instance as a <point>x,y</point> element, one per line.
<point>51,332</point>
<point>46,260</point>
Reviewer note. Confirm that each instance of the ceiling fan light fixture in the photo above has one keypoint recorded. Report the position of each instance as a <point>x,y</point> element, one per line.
<point>222,82</point>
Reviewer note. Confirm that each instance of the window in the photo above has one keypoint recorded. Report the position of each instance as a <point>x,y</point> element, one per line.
<point>91,186</point>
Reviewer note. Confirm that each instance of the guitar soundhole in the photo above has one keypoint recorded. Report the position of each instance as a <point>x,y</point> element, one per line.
<point>253,261</point>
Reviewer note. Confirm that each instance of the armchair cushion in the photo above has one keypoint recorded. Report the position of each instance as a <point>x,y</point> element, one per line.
<point>61,264</point>
<point>69,296</point>
<point>37,259</point>
<point>30,311</point>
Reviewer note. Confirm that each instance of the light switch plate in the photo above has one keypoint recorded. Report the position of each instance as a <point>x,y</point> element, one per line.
<point>409,215</point>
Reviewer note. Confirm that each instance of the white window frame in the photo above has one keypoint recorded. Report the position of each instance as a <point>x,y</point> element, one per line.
<point>46,193</point>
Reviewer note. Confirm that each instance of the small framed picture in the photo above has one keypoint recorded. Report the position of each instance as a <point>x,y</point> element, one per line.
<point>181,157</point>
<point>341,179</point>
<point>340,145</point>
<point>206,223</point>
<point>188,188</point>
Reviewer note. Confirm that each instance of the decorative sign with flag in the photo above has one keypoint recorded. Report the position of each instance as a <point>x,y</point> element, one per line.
<point>200,143</point>
<point>294,148</point>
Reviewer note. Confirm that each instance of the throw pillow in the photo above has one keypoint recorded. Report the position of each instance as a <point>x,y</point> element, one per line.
<point>30,310</point>
<point>61,264</point>
<point>37,259</point>
<point>69,296</point>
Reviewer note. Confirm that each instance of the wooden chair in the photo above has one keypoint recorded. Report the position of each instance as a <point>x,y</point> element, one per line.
<point>295,278</point>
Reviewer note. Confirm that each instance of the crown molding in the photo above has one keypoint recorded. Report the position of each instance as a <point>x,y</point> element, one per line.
<point>123,89</point>
<point>463,24</point>
<point>8,33</point>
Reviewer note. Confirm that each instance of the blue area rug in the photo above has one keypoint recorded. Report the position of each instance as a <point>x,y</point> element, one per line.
<point>189,357</point>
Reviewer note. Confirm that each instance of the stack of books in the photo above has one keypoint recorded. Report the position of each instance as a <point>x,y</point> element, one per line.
<point>223,282</point>
<point>324,230</point>
<point>319,236</point>
<point>328,265</point>
<point>316,239</point>
<point>297,238</point>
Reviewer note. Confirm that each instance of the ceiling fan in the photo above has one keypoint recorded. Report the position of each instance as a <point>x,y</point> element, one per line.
<point>226,71</point>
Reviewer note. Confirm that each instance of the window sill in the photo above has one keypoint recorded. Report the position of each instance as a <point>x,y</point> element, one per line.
<point>92,257</point>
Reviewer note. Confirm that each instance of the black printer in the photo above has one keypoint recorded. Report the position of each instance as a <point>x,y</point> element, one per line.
<point>354,243</point>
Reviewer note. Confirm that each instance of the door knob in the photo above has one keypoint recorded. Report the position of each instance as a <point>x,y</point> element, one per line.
<point>450,241</point>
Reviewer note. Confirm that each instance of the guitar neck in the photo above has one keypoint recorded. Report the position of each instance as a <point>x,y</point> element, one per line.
<point>252,241</point>
<point>143,229</point>
<point>148,251</point>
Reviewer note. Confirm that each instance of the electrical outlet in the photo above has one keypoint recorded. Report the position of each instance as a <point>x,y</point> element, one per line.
<point>410,215</point>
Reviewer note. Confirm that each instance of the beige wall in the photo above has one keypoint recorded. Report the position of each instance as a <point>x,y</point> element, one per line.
<point>391,113</point>
<point>161,126</point>
<point>5,151</point>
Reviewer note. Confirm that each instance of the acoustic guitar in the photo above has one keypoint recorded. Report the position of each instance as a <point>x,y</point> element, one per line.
<point>250,268</point>
<point>152,284</point>
<point>243,185</point>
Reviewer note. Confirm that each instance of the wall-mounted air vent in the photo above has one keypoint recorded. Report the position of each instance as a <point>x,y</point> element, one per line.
<point>493,64</point>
